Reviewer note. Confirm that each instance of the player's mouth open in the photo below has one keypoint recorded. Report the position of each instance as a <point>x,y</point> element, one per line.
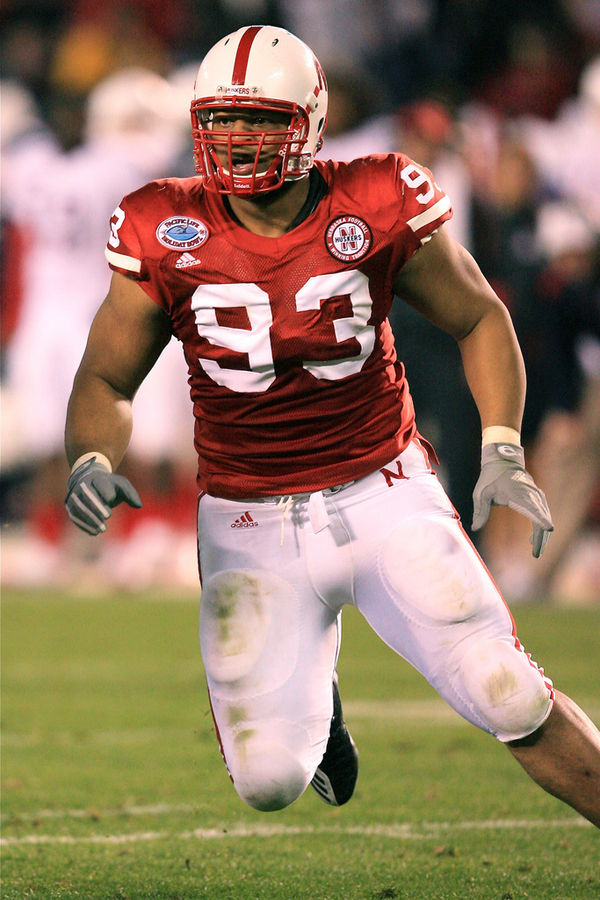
<point>242,164</point>
<point>242,168</point>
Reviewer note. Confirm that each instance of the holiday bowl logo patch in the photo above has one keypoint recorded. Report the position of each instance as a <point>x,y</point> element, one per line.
<point>348,238</point>
<point>181,233</point>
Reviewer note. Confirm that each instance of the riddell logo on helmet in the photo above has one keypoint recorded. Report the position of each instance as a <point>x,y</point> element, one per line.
<point>245,521</point>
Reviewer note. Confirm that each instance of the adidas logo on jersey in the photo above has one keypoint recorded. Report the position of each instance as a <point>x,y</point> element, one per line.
<point>186,260</point>
<point>245,521</point>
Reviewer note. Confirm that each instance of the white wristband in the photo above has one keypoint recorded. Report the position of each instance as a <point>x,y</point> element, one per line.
<point>100,457</point>
<point>500,434</point>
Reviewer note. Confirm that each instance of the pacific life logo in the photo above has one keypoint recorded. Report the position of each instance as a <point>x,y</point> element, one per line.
<point>182,233</point>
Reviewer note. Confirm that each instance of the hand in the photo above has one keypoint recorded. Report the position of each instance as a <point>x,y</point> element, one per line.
<point>504,482</point>
<point>92,491</point>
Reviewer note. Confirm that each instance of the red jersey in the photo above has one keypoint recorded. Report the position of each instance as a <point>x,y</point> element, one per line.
<point>292,369</point>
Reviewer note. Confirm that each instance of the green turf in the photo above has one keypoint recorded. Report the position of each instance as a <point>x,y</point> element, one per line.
<point>113,787</point>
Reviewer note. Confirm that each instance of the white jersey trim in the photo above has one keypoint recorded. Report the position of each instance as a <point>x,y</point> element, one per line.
<point>122,261</point>
<point>438,209</point>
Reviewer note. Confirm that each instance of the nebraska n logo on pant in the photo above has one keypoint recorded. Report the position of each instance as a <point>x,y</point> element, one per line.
<point>390,476</point>
<point>245,521</point>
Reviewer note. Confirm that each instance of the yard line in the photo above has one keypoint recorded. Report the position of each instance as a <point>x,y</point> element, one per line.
<point>152,809</point>
<point>109,737</point>
<point>402,831</point>
<point>434,711</point>
<point>88,839</point>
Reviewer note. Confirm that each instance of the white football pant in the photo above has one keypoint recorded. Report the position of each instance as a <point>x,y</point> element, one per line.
<point>276,573</point>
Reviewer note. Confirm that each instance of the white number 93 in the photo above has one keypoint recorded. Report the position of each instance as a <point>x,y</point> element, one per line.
<point>255,341</point>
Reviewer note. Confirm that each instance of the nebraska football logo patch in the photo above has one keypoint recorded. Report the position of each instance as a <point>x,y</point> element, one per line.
<point>181,233</point>
<point>348,238</point>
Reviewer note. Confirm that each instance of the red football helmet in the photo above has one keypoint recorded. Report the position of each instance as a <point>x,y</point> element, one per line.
<point>273,84</point>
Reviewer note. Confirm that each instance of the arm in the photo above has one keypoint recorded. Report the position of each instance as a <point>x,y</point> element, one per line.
<point>127,336</point>
<point>445,284</point>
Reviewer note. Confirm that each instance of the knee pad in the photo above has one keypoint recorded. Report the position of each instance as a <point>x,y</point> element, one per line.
<point>429,564</point>
<point>266,774</point>
<point>508,691</point>
<point>243,611</point>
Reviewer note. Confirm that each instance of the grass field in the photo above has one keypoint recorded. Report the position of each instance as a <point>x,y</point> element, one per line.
<point>113,786</point>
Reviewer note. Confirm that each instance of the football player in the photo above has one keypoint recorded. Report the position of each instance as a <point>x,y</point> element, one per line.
<point>276,271</point>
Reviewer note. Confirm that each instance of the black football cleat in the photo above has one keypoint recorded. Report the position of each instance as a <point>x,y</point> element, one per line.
<point>336,775</point>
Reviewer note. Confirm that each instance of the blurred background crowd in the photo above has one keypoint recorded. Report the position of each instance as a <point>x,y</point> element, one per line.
<point>501,101</point>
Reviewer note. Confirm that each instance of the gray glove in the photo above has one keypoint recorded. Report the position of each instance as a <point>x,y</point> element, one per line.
<point>504,482</point>
<point>92,491</point>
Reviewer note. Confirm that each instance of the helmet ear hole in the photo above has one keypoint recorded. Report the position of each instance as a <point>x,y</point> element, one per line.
<point>311,101</point>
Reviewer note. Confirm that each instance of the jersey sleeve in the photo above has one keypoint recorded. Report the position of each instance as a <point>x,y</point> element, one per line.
<point>423,204</point>
<point>123,249</point>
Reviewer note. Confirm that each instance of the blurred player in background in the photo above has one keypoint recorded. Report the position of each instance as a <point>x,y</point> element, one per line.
<point>277,271</point>
<point>60,202</point>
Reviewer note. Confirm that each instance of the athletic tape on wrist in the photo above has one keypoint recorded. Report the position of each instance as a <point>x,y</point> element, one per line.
<point>500,434</point>
<point>100,458</point>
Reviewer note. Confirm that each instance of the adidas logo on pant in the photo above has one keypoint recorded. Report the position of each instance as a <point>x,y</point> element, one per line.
<point>245,521</point>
